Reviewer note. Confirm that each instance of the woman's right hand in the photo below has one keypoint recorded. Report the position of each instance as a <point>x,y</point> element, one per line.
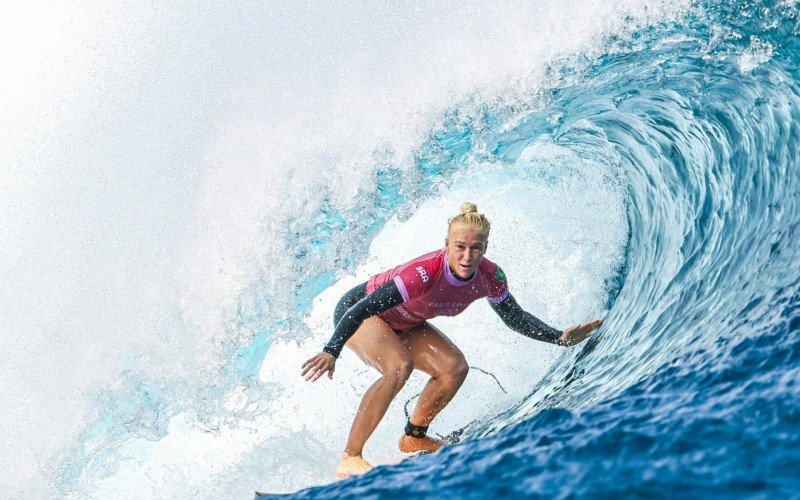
<point>316,367</point>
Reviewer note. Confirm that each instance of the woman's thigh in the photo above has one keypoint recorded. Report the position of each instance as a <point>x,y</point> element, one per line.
<point>431,351</point>
<point>378,345</point>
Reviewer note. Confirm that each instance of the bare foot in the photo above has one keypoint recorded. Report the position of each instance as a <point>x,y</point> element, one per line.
<point>411,444</point>
<point>352,466</point>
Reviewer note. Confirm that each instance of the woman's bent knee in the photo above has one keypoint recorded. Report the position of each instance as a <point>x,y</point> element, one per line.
<point>399,370</point>
<point>455,371</point>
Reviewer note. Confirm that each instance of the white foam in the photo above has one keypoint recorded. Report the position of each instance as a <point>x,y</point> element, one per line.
<point>756,54</point>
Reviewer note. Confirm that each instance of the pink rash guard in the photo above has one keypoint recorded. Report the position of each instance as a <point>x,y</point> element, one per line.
<point>429,289</point>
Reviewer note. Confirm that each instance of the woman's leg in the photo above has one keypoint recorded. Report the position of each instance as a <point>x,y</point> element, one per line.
<point>432,352</point>
<point>378,346</point>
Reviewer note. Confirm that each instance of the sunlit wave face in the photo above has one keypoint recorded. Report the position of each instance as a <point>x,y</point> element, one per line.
<point>465,250</point>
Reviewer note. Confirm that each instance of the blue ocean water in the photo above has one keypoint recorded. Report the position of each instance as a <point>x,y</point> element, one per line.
<point>691,387</point>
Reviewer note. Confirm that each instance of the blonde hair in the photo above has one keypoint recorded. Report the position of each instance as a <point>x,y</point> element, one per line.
<point>471,219</point>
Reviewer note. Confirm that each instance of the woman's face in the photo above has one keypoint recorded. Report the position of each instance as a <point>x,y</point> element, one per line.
<point>465,250</point>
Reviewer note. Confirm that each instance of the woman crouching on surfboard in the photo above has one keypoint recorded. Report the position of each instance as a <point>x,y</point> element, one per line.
<point>385,322</point>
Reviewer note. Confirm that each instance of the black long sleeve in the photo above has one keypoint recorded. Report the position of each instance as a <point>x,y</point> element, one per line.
<point>356,306</point>
<point>524,322</point>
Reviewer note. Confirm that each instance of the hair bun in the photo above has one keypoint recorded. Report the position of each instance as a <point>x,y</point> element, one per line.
<point>470,219</point>
<point>468,207</point>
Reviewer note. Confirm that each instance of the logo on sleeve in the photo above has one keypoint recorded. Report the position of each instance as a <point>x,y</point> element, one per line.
<point>422,274</point>
<point>500,275</point>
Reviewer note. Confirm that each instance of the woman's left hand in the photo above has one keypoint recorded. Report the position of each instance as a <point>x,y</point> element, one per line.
<point>578,333</point>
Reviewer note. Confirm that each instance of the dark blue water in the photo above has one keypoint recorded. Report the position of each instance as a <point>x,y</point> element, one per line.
<point>691,387</point>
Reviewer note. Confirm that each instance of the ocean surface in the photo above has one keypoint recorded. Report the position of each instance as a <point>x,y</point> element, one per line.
<point>183,213</point>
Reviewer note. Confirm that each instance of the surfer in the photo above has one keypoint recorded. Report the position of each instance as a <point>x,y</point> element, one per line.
<point>385,322</point>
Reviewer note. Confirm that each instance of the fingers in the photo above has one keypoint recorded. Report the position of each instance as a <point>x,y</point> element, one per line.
<point>317,366</point>
<point>319,370</point>
<point>580,332</point>
<point>590,325</point>
<point>311,364</point>
<point>574,329</point>
<point>594,325</point>
<point>312,374</point>
<point>308,366</point>
<point>320,373</point>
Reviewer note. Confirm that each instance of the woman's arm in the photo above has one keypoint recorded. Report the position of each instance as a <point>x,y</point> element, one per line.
<point>382,299</point>
<point>352,310</point>
<point>524,322</point>
<point>531,326</point>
